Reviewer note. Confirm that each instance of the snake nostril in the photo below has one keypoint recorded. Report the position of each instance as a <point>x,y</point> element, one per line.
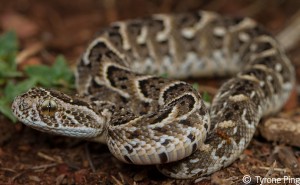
<point>21,104</point>
<point>15,104</point>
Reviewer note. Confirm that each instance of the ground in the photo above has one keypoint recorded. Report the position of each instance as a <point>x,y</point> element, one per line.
<point>55,27</point>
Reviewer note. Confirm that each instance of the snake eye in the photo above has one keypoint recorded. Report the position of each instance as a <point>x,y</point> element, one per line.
<point>49,107</point>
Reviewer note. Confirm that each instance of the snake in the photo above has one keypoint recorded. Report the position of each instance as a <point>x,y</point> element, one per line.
<point>125,100</point>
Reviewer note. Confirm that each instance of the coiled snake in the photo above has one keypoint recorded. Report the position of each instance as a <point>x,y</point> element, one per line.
<point>148,119</point>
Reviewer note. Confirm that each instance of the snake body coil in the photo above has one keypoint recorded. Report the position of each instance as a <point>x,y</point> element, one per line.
<point>146,119</point>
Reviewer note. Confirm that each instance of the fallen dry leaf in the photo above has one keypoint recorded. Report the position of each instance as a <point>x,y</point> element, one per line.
<point>23,26</point>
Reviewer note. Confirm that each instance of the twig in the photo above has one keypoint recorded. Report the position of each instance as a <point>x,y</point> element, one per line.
<point>121,177</point>
<point>290,35</point>
<point>88,156</point>
<point>284,170</point>
<point>17,176</point>
<point>49,158</point>
<point>60,178</point>
<point>29,169</point>
<point>270,171</point>
<point>202,178</point>
<point>45,166</point>
<point>32,50</point>
<point>116,180</point>
<point>8,170</point>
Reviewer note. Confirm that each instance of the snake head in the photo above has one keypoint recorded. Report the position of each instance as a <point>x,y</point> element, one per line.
<point>54,112</point>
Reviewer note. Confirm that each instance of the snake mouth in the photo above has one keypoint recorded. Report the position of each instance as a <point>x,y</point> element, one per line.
<point>82,132</point>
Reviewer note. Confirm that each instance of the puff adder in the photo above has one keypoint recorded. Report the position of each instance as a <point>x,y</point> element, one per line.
<point>146,119</point>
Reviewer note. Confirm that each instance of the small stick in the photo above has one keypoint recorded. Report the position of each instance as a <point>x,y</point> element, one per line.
<point>43,166</point>
<point>88,156</point>
<point>30,51</point>
<point>116,180</point>
<point>8,170</point>
<point>121,177</point>
<point>16,176</point>
<point>284,170</point>
<point>290,35</point>
<point>49,158</point>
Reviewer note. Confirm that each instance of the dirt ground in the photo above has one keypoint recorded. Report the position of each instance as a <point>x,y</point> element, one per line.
<point>65,27</point>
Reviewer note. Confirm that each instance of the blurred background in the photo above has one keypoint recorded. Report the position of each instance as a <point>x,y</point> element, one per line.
<point>66,26</point>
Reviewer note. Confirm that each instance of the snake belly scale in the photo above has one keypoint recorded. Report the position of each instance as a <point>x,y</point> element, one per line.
<point>147,119</point>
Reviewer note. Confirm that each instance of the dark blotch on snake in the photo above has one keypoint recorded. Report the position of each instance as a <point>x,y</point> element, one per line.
<point>194,147</point>
<point>163,157</point>
<point>173,91</point>
<point>191,137</point>
<point>96,53</point>
<point>205,126</point>
<point>143,87</point>
<point>128,160</point>
<point>185,122</point>
<point>129,149</point>
<point>161,116</point>
<point>166,142</point>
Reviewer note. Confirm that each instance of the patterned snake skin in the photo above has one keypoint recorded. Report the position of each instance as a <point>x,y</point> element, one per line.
<point>146,119</point>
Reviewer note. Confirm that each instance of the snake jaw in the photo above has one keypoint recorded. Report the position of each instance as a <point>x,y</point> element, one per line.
<point>53,112</point>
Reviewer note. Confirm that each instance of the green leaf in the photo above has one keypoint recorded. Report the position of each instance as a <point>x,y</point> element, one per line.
<point>9,43</point>
<point>12,90</point>
<point>196,86</point>
<point>5,109</point>
<point>8,71</point>
<point>64,75</point>
<point>8,50</point>
<point>206,97</point>
<point>41,74</point>
<point>164,75</point>
<point>57,75</point>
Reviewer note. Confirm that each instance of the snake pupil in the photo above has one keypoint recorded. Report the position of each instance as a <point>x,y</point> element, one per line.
<point>49,107</point>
